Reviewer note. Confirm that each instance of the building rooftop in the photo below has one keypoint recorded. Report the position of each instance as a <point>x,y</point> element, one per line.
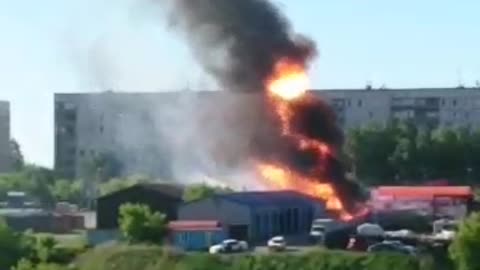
<point>424,192</point>
<point>173,190</point>
<point>267,198</point>
<point>206,92</point>
<point>195,225</point>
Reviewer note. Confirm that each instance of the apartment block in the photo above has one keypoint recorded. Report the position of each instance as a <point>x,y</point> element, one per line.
<point>5,157</point>
<point>145,130</point>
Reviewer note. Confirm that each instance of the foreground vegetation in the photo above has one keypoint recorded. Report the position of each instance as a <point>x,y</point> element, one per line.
<point>139,226</point>
<point>154,258</point>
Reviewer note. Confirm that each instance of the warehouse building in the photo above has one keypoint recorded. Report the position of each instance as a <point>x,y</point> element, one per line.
<point>257,216</point>
<point>163,198</point>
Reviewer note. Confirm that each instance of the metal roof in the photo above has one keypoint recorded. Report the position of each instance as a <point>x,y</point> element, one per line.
<point>424,192</point>
<point>268,198</point>
<point>172,190</point>
<point>195,225</point>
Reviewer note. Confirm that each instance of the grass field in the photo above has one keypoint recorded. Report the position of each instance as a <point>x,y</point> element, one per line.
<point>73,240</point>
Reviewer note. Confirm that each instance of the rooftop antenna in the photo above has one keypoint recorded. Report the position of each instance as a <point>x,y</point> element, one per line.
<point>460,82</point>
<point>369,85</point>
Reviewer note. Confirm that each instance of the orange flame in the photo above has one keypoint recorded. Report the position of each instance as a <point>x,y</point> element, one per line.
<point>289,83</point>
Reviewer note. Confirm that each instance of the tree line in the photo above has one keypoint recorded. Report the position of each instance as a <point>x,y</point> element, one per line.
<point>396,154</point>
<point>401,153</point>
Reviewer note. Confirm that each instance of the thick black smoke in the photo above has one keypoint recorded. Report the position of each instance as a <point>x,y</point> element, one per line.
<point>239,41</point>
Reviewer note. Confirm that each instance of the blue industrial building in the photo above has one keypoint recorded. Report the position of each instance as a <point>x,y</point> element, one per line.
<point>257,216</point>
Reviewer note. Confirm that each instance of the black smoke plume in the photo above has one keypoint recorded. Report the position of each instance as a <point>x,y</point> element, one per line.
<point>239,41</point>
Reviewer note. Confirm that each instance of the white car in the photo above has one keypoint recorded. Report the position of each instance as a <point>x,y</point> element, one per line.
<point>277,243</point>
<point>229,246</point>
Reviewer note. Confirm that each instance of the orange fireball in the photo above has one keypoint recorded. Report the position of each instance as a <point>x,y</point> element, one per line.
<point>288,81</point>
<point>288,84</point>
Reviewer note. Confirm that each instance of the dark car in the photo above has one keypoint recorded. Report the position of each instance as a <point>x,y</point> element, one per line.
<point>394,247</point>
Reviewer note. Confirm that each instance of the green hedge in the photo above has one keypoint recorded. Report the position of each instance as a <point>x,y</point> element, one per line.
<point>154,258</point>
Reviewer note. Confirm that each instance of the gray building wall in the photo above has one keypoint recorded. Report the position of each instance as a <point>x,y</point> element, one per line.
<point>132,125</point>
<point>432,107</point>
<point>5,157</point>
<point>224,211</point>
<point>263,221</point>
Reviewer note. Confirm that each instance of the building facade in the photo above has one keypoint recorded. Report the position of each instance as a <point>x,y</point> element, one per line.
<point>5,154</point>
<point>146,131</point>
<point>257,216</point>
<point>163,198</point>
<point>429,107</point>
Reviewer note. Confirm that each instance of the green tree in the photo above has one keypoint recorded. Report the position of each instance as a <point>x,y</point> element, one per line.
<point>465,246</point>
<point>369,150</point>
<point>201,191</point>
<point>66,190</point>
<point>139,224</point>
<point>16,155</point>
<point>45,248</point>
<point>13,246</point>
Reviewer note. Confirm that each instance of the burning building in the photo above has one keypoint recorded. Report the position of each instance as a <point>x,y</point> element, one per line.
<point>249,46</point>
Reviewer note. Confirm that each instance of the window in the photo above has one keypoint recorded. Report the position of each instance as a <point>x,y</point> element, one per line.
<point>101,129</point>
<point>349,103</point>
<point>370,115</point>
<point>359,103</point>
<point>454,102</point>
<point>467,115</point>
<point>81,153</point>
<point>443,102</point>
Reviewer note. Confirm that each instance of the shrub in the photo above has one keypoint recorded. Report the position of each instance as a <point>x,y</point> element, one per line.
<point>13,246</point>
<point>464,249</point>
<point>138,224</point>
<point>28,265</point>
<point>120,258</point>
<point>156,258</point>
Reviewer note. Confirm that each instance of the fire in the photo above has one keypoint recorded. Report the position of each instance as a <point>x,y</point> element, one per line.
<point>279,178</point>
<point>289,84</point>
<point>288,81</point>
<point>284,179</point>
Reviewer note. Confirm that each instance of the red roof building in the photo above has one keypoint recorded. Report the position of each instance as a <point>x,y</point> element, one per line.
<point>194,225</point>
<point>452,201</point>
<point>424,192</point>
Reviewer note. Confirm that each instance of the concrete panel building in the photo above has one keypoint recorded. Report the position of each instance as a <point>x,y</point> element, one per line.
<point>136,128</point>
<point>5,155</point>
<point>257,216</point>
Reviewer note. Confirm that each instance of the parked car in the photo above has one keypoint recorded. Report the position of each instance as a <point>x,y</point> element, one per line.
<point>277,243</point>
<point>393,246</point>
<point>370,230</point>
<point>229,246</point>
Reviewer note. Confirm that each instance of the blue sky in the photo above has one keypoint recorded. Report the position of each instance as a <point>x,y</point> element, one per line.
<point>87,45</point>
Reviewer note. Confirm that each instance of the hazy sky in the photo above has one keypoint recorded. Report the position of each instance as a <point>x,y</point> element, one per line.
<point>87,45</point>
